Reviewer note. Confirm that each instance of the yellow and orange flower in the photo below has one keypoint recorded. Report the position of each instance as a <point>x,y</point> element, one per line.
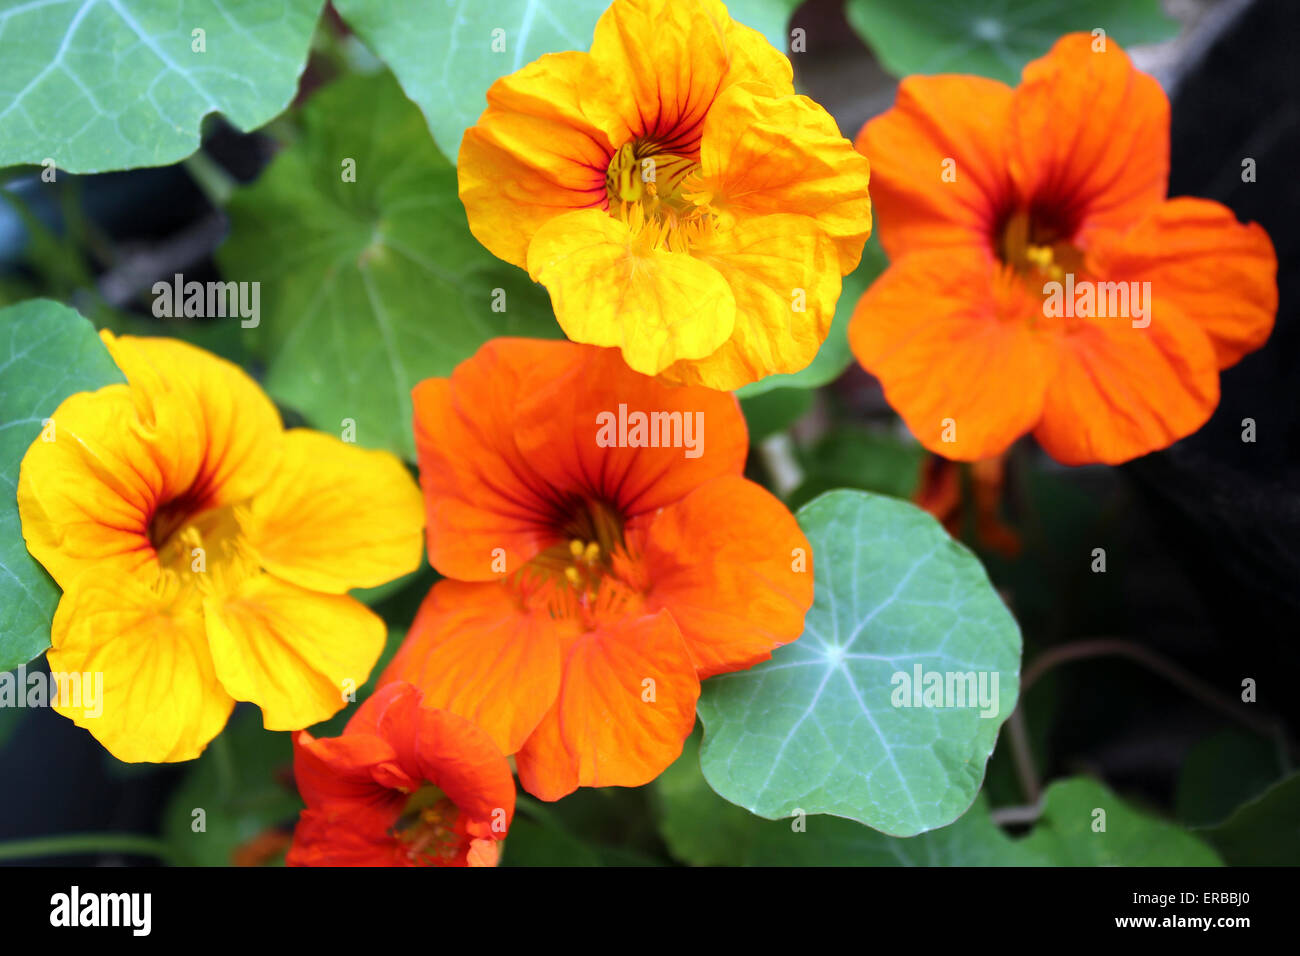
<point>601,563</point>
<point>675,196</point>
<point>205,552</point>
<point>987,195</point>
<point>405,785</point>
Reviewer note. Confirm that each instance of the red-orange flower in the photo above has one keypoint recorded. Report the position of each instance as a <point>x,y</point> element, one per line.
<point>607,555</point>
<point>405,785</point>
<point>986,197</point>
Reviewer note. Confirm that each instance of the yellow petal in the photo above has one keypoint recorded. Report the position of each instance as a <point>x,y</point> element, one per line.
<point>672,59</point>
<point>161,699</point>
<point>293,652</point>
<point>783,274</point>
<point>539,150</point>
<point>213,428</point>
<point>611,288</point>
<point>767,154</point>
<point>86,495</point>
<point>336,516</point>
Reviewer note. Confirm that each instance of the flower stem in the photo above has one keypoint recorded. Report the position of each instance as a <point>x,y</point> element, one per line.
<point>77,844</point>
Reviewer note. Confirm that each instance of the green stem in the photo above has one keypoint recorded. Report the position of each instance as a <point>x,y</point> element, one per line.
<point>77,844</point>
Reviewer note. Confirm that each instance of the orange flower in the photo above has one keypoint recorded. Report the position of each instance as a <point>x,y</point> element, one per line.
<point>607,555</point>
<point>405,785</point>
<point>672,193</point>
<point>205,553</point>
<point>1040,279</point>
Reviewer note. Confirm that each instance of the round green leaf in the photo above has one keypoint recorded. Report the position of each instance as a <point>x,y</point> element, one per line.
<point>1084,824</point>
<point>993,38</point>
<point>447,54</point>
<point>47,352</point>
<point>367,287</point>
<point>111,84</point>
<point>827,725</point>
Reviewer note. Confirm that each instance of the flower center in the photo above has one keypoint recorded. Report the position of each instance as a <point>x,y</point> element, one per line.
<point>656,194</point>
<point>205,551</point>
<point>1037,250</point>
<point>427,828</point>
<point>592,576</point>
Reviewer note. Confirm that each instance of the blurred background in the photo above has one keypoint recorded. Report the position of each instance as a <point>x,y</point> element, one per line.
<point>1133,675</point>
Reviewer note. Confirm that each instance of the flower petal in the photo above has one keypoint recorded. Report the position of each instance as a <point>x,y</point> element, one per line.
<point>1091,135</point>
<point>542,148</point>
<point>934,120</point>
<point>161,699</point>
<point>209,424</point>
<point>1221,274</point>
<point>764,155</point>
<point>955,347</point>
<point>1120,392</point>
<point>731,565</point>
<point>626,705</point>
<point>784,277</point>
<point>293,652</point>
<point>474,651</point>
<point>335,516</point>
<point>87,497</point>
<point>612,288</point>
<point>673,59</point>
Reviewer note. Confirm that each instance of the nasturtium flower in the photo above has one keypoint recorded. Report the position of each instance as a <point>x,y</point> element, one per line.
<point>675,196</point>
<point>205,553</point>
<point>1019,223</point>
<point>404,785</point>
<point>603,554</point>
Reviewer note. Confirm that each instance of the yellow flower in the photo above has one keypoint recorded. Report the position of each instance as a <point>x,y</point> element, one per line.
<point>675,196</point>
<point>205,552</point>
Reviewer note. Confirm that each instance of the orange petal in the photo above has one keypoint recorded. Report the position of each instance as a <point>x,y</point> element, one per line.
<point>443,748</point>
<point>626,705</point>
<point>509,445</point>
<point>336,516</point>
<point>1221,274</point>
<point>473,650</point>
<point>784,278</point>
<point>670,60</point>
<point>541,149</point>
<point>613,288</point>
<point>1120,392</point>
<point>764,155</point>
<point>161,698</point>
<point>295,653</point>
<point>934,120</point>
<point>731,565</point>
<point>953,343</point>
<point>559,429</point>
<point>1091,135</point>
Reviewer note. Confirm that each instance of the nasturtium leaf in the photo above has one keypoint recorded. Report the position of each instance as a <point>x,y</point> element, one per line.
<point>832,724</point>
<point>1264,831</point>
<point>1070,833</point>
<point>834,356</point>
<point>1222,772</point>
<point>47,352</point>
<point>447,53</point>
<point>993,38</point>
<point>702,829</point>
<point>852,456</point>
<point>112,84</point>
<point>367,287</point>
